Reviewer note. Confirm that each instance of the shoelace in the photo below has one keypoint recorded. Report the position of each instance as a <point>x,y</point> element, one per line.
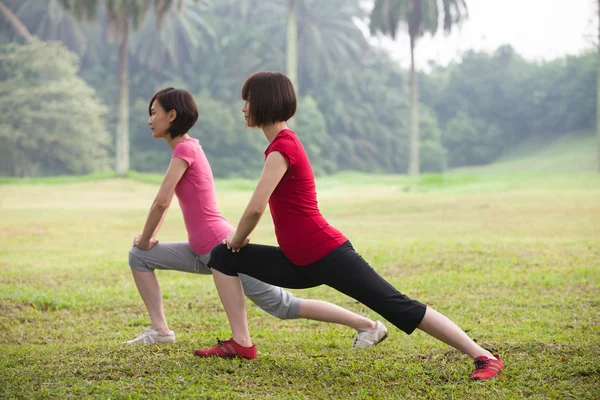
<point>358,338</point>
<point>229,352</point>
<point>144,334</point>
<point>481,364</point>
<point>220,343</point>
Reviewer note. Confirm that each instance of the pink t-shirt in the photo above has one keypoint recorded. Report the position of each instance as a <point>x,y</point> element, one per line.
<point>195,191</point>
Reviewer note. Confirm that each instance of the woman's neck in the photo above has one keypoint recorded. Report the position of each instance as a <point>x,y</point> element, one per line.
<point>172,142</point>
<point>271,130</point>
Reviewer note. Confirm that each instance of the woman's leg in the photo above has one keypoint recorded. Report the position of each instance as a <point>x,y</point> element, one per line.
<point>149,289</point>
<point>284,305</point>
<point>346,271</point>
<point>268,264</point>
<point>323,311</point>
<point>169,256</point>
<point>265,263</point>
<point>272,299</point>
<point>442,328</point>
<point>352,275</point>
<point>232,297</point>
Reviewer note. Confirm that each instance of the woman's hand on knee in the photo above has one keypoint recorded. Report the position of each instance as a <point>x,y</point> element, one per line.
<point>136,240</point>
<point>144,244</point>
<point>235,244</point>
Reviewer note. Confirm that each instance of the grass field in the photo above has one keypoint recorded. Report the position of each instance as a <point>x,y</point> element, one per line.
<point>513,258</point>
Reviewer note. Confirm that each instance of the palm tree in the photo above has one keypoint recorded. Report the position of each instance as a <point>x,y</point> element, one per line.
<point>325,37</point>
<point>329,42</point>
<point>420,16</point>
<point>183,36</point>
<point>122,18</point>
<point>320,40</point>
<point>48,20</point>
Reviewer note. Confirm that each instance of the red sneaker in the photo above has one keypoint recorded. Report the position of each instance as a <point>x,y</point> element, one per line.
<point>228,349</point>
<point>487,368</point>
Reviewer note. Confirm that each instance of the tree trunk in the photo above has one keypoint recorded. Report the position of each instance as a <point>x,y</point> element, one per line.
<point>598,93</point>
<point>16,22</point>
<point>414,159</point>
<point>122,138</point>
<point>292,52</point>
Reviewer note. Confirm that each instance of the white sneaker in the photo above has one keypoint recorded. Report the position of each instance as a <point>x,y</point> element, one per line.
<point>149,335</point>
<point>370,338</point>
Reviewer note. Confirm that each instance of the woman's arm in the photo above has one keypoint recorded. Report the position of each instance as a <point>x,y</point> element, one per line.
<point>161,203</point>
<point>157,229</point>
<point>274,169</point>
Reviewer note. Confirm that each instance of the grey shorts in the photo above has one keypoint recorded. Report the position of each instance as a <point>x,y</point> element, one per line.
<point>180,257</point>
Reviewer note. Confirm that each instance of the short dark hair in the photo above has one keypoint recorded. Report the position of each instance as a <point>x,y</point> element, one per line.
<point>271,96</point>
<point>183,103</point>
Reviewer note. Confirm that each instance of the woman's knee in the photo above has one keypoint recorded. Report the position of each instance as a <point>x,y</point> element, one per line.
<point>218,259</point>
<point>289,308</point>
<point>218,253</point>
<point>136,262</point>
<point>271,299</point>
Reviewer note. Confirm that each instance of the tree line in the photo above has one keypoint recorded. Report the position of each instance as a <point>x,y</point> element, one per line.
<point>358,110</point>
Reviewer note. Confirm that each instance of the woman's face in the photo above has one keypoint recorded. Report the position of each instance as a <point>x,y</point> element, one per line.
<point>246,111</point>
<point>160,120</point>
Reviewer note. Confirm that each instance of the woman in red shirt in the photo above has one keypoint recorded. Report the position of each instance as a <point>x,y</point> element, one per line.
<point>311,252</point>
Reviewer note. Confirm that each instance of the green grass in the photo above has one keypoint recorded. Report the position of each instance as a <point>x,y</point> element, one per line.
<point>518,267</point>
<point>511,252</point>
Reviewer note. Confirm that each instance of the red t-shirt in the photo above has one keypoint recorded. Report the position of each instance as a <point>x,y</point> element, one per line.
<point>304,236</point>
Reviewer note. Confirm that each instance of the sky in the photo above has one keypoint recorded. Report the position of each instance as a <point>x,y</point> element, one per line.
<point>538,30</point>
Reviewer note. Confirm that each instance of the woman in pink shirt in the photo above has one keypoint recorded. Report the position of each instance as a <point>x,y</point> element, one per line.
<point>173,113</point>
<point>311,252</point>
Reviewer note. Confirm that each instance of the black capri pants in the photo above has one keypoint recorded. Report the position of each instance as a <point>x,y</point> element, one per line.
<point>342,269</point>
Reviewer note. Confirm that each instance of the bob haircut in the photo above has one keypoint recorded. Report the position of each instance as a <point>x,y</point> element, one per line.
<point>184,105</point>
<point>271,97</point>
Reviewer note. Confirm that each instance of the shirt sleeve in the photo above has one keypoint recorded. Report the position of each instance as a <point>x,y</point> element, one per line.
<point>185,152</point>
<point>288,148</point>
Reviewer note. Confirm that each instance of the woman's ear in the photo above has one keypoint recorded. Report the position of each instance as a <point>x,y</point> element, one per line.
<point>172,115</point>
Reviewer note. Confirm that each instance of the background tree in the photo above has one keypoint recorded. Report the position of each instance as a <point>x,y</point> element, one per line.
<point>329,42</point>
<point>121,18</point>
<point>487,103</point>
<point>49,104</point>
<point>179,36</point>
<point>472,111</point>
<point>420,17</point>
